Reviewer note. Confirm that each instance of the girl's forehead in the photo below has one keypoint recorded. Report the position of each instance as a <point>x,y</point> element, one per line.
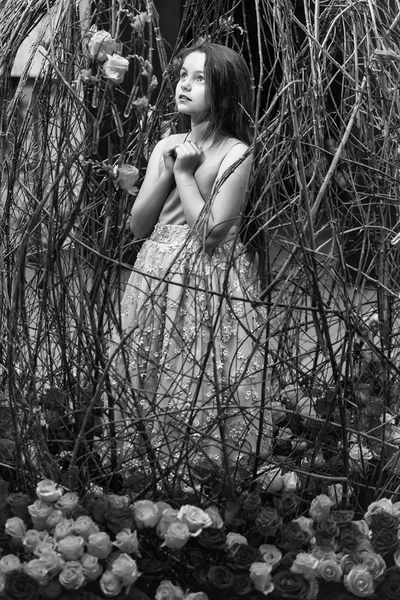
<point>195,61</point>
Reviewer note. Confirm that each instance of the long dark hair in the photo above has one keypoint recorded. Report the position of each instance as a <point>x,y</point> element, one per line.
<point>228,91</point>
<point>230,100</point>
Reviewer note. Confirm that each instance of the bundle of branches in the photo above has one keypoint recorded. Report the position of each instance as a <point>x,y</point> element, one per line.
<point>325,210</point>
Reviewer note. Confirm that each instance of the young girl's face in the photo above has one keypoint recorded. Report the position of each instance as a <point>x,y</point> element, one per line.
<point>191,89</point>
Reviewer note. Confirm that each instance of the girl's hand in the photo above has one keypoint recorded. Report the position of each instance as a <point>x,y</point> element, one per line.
<point>169,156</point>
<point>188,157</point>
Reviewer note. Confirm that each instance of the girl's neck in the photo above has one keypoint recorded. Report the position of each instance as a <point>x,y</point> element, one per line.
<point>197,134</point>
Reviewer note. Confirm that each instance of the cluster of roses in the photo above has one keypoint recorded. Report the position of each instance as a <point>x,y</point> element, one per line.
<point>258,547</point>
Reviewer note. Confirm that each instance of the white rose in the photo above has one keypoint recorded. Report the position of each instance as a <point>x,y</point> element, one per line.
<point>36,569</point>
<point>146,513</point>
<point>125,568</point>
<point>72,576</point>
<point>115,68</point>
<point>100,45</point>
<point>10,563</point>
<point>110,585</point>
<point>91,567</point>
<point>67,503</point>
<point>71,547</point>
<point>195,518</point>
<point>127,541</point>
<point>48,491</point>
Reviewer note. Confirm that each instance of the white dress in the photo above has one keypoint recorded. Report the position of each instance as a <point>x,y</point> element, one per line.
<point>189,368</point>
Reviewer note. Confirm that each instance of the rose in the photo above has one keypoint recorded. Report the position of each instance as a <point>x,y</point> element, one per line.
<point>306,524</point>
<point>342,517</point>
<point>99,544</point>
<point>54,517</point>
<point>98,507</point>
<point>90,567</point>
<point>389,589</point>
<point>270,554</point>
<point>384,505</point>
<point>20,586</point>
<point>151,569</point>
<point>127,541</point>
<point>18,503</point>
<point>63,528</point>
<point>320,508</point>
<point>139,22</point>
<point>115,68</point>
<point>48,491</point>
<point>100,45</point>
<point>243,555</point>
<point>335,493</point>
<point>85,526</point>
<point>167,591</point>
<point>52,590</point>
<point>291,481</point>
<point>146,513</point>
<point>385,541</point>
<point>306,565</point>
<point>71,547</point>
<point>196,596</point>
<point>127,177</point>
<point>326,531</point>
<point>260,574</point>
<point>360,458</point>
<point>118,518</point>
<point>117,502</point>
<point>233,538</point>
<point>68,503</point>
<point>361,526</point>
<point>10,563</point>
<point>36,569</point>
<point>2,582</point>
<point>72,576</point>
<point>287,504</point>
<point>110,585</point>
<point>272,480</point>
<point>195,518</point>
<point>359,581</point>
<point>383,520</point>
<point>251,506</point>
<point>374,563</point>
<point>176,535</point>
<point>220,577</point>
<point>52,561</point>
<point>168,516</point>
<point>125,568</point>
<point>268,521</point>
<point>348,561</point>
<point>292,536</point>
<point>212,538</point>
<point>15,528</point>
<point>290,586</point>
<point>216,519</point>
<point>329,570</point>
<point>39,511</point>
<point>349,538</point>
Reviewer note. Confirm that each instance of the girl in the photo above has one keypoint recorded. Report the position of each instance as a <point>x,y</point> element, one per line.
<point>190,343</point>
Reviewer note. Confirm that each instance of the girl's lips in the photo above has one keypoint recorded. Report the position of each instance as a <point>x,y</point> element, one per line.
<point>183,97</point>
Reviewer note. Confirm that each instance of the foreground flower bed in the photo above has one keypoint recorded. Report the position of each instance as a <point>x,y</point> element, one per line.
<point>104,545</point>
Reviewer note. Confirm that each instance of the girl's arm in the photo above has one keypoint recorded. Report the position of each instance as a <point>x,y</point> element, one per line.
<point>154,190</point>
<point>228,200</point>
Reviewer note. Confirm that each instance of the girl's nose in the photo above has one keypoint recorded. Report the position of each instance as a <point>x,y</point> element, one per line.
<point>185,85</point>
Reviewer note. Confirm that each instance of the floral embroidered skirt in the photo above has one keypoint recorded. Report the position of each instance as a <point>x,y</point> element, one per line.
<point>189,369</point>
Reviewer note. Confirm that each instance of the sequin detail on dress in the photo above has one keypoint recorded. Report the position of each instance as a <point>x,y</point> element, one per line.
<point>190,367</point>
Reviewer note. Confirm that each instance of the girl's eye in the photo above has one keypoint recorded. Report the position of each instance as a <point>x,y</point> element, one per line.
<point>183,75</point>
<point>200,78</point>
